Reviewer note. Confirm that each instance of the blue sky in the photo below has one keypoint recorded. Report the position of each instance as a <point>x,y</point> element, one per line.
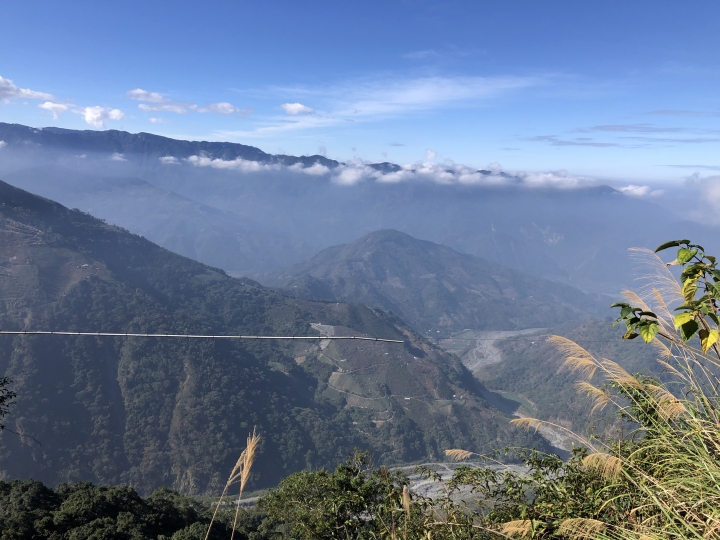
<point>605,89</point>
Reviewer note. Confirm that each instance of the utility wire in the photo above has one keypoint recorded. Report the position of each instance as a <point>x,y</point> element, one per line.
<point>188,336</point>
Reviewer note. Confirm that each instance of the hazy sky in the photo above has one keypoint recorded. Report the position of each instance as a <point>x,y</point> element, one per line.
<point>608,89</point>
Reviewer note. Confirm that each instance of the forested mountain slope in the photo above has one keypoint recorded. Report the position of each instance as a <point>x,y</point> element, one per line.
<point>434,288</point>
<point>201,232</point>
<point>176,412</point>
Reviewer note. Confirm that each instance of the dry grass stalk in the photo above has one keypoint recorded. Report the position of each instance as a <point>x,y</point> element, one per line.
<point>668,406</point>
<point>247,458</point>
<point>580,528</point>
<point>655,274</point>
<point>604,464</point>
<point>600,398</point>
<point>527,423</point>
<point>670,368</point>
<point>576,358</point>
<point>240,473</point>
<point>661,307</point>
<point>635,300</point>
<point>458,455</point>
<point>618,375</point>
<point>406,501</point>
<point>663,350</point>
<point>520,528</point>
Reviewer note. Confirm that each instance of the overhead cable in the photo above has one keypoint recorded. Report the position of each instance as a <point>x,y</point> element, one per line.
<point>188,336</point>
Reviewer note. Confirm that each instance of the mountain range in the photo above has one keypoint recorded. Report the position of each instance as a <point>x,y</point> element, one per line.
<point>278,210</point>
<point>435,289</point>
<point>148,412</point>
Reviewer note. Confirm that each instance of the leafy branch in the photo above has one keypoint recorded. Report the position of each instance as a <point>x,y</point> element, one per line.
<point>700,289</point>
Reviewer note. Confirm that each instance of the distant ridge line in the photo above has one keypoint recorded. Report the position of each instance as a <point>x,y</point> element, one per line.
<point>188,336</point>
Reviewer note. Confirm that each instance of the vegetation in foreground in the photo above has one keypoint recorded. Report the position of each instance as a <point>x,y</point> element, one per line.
<point>28,509</point>
<point>657,480</point>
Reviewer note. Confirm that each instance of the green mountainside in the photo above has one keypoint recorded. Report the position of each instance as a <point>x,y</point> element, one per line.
<point>434,288</point>
<point>532,372</point>
<point>201,232</point>
<point>149,412</point>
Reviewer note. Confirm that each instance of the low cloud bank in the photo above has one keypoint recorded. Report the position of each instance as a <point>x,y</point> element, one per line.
<point>352,173</point>
<point>640,191</point>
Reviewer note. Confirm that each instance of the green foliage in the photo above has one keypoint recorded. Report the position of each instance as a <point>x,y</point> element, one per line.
<point>658,481</point>
<point>354,501</point>
<point>6,399</point>
<point>700,291</point>
<point>28,509</point>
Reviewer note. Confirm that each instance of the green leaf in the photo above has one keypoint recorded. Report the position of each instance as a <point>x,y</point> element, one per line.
<point>682,318</point>
<point>692,271</point>
<point>684,255</point>
<point>673,243</point>
<point>715,289</point>
<point>689,305</point>
<point>648,331</point>
<point>710,258</point>
<point>716,273</point>
<point>630,335</point>
<point>688,330</point>
<point>708,338</point>
<point>647,314</point>
<point>689,291</point>
<point>620,304</point>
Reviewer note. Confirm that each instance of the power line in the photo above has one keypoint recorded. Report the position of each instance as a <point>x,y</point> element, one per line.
<point>188,336</point>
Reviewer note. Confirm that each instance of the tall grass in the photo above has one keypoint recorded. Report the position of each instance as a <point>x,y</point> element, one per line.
<point>663,481</point>
<point>240,474</point>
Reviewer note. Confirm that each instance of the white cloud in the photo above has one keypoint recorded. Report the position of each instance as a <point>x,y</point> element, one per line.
<point>169,160</point>
<point>246,166</point>
<point>237,164</point>
<point>170,106</point>
<point>143,95</point>
<point>640,191</point>
<point>430,155</point>
<point>118,157</point>
<point>157,120</point>
<point>158,102</point>
<point>422,55</point>
<point>9,90</point>
<point>97,116</point>
<point>297,108</point>
<point>316,169</point>
<point>2,143</point>
<point>450,173</point>
<point>223,107</point>
<point>55,108</point>
<point>348,176</point>
<point>446,173</point>
<point>380,98</point>
<point>405,95</point>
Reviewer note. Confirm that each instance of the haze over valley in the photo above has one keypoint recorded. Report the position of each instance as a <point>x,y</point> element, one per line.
<point>359,270</point>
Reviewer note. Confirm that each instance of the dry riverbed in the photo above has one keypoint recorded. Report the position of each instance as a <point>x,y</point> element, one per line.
<point>477,349</point>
